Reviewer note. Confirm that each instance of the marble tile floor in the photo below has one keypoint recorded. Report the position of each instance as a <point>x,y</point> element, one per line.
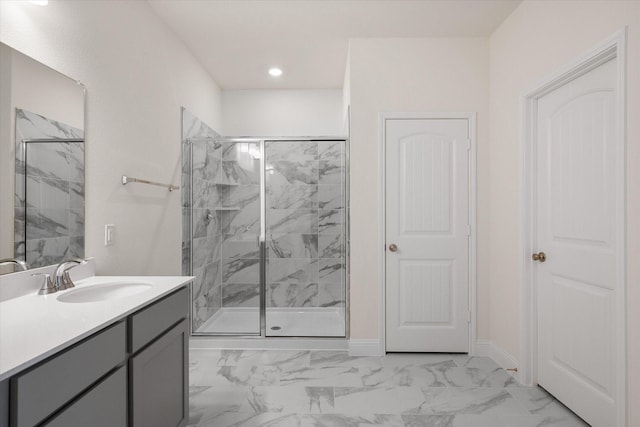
<point>331,389</point>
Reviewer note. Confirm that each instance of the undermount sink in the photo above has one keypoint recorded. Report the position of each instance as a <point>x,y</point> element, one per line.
<point>103,291</point>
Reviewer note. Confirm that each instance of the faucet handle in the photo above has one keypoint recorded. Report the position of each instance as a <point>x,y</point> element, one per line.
<point>47,286</point>
<point>66,281</point>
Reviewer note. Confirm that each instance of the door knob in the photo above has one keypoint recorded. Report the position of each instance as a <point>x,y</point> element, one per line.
<point>539,257</point>
<point>393,247</point>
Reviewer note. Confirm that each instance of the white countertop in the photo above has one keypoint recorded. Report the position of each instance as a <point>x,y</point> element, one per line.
<point>33,327</point>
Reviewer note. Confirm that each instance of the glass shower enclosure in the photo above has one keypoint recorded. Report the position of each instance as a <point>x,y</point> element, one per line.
<point>264,226</point>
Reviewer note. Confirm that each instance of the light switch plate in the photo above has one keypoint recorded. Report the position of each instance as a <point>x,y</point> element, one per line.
<point>109,234</point>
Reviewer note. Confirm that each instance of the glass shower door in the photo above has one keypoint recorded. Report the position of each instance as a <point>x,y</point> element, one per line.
<point>239,209</point>
<point>226,229</point>
<point>305,238</point>
<point>264,234</point>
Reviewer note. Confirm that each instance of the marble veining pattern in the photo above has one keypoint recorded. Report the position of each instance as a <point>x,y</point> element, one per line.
<point>201,224</point>
<point>331,196</point>
<point>331,295</point>
<point>241,271</point>
<point>243,249</point>
<point>293,246</point>
<point>331,271</point>
<point>292,221</point>
<point>240,295</point>
<point>291,270</point>
<point>238,224</point>
<point>292,196</point>
<point>49,194</point>
<point>305,223</point>
<point>239,209</point>
<point>241,172</point>
<point>305,203</point>
<point>331,245</point>
<point>332,389</point>
<point>331,221</point>
<point>34,126</point>
<point>292,295</point>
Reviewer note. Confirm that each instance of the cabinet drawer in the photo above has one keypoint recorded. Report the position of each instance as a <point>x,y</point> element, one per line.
<point>105,405</point>
<point>159,381</point>
<point>38,392</point>
<point>154,320</point>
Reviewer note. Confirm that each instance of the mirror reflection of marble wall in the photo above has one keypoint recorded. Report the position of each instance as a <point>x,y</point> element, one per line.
<point>49,202</point>
<point>26,84</point>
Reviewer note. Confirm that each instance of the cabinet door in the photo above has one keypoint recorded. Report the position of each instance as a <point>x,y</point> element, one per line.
<point>159,381</point>
<point>4,403</point>
<point>105,405</point>
<point>150,322</point>
<point>42,390</point>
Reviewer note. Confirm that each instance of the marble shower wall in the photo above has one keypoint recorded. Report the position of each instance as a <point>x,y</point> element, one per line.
<point>49,197</point>
<point>305,201</point>
<point>201,231</point>
<point>305,186</point>
<point>239,212</point>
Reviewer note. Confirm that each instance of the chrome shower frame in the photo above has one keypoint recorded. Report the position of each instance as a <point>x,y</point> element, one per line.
<point>262,238</point>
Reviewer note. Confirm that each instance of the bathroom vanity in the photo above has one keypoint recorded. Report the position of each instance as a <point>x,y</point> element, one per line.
<point>111,352</point>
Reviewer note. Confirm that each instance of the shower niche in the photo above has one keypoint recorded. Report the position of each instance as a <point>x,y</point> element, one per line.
<point>264,232</point>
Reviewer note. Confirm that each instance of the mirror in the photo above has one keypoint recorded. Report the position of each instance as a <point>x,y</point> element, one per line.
<point>42,123</point>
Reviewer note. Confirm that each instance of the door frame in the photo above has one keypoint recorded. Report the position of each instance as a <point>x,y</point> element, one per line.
<point>382,150</point>
<point>613,47</point>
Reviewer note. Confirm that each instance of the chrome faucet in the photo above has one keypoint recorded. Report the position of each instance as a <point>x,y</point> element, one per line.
<point>23,265</point>
<point>63,280</point>
<point>48,287</point>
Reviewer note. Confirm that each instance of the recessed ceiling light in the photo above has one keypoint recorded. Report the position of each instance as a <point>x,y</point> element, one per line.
<point>275,72</point>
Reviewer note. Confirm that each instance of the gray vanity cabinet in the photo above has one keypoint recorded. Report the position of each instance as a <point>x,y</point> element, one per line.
<point>158,382</point>
<point>159,367</point>
<point>131,374</point>
<point>105,405</point>
<point>39,392</point>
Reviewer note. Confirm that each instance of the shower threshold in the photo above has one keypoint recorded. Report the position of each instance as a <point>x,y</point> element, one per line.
<point>280,322</point>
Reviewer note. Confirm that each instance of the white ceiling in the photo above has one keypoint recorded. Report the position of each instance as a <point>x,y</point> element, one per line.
<point>238,40</point>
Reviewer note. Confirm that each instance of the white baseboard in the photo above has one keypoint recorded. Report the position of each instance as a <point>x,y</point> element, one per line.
<point>502,357</point>
<point>499,355</point>
<point>482,348</point>
<point>365,348</point>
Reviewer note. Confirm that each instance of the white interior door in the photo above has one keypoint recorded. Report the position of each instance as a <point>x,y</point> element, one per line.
<point>576,210</point>
<point>427,235</point>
